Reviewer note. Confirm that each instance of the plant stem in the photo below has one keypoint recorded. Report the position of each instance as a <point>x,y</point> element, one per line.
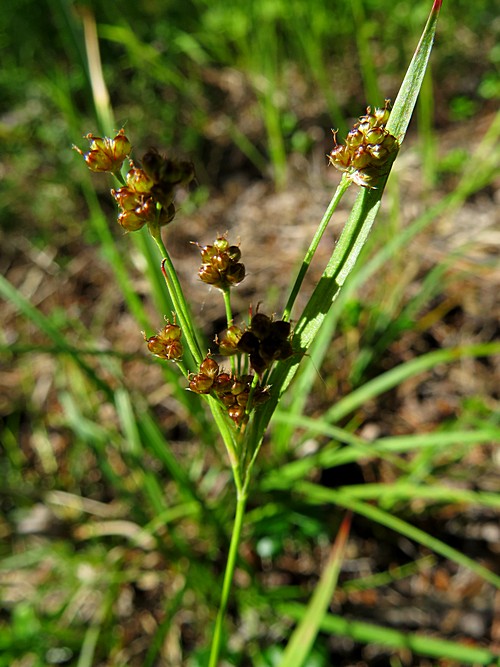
<point>227,303</point>
<point>229,317</point>
<point>241,499</point>
<point>339,193</point>
<point>177,295</point>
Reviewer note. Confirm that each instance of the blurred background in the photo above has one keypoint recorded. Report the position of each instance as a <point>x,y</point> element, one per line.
<point>116,505</point>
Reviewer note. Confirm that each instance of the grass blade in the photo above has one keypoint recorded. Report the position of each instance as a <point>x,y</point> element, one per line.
<point>407,96</point>
<point>342,497</point>
<point>303,637</point>
<point>354,234</point>
<point>369,633</point>
<point>399,374</point>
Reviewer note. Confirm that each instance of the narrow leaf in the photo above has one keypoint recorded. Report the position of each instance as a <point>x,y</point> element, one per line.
<point>303,637</point>
<point>354,235</point>
<point>369,633</point>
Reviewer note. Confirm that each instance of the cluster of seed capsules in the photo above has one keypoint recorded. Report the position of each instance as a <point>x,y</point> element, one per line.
<point>220,264</point>
<point>146,197</point>
<point>166,344</point>
<point>265,341</point>
<point>369,149</point>
<point>148,193</point>
<point>262,343</point>
<point>233,391</point>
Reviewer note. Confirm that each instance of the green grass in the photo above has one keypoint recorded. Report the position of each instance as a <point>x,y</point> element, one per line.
<point>133,494</point>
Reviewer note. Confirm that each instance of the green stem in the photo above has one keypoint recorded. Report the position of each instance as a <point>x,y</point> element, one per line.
<point>227,303</point>
<point>177,295</point>
<point>228,435</point>
<point>339,193</point>
<point>229,317</point>
<point>241,500</point>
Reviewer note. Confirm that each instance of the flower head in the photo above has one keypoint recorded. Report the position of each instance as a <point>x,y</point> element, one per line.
<point>220,264</point>
<point>106,154</point>
<point>369,149</point>
<point>167,343</point>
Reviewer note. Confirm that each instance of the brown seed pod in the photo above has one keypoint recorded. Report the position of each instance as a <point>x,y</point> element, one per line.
<point>200,383</point>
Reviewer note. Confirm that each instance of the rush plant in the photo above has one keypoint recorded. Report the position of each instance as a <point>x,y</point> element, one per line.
<point>243,373</point>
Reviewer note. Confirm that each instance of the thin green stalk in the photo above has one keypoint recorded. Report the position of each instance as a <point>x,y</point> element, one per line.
<point>226,293</point>
<point>177,295</point>
<point>241,500</point>
<point>179,301</point>
<point>228,435</point>
<point>227,304</point>
<point>339,193</point>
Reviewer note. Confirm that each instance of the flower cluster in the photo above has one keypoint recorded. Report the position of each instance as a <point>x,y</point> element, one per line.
<point>167,343</point>
<point>106,154</point>
<point>265,341</point>
<point>148,194</point>
<point>234,392</point>
<point>228,343</point>
<point>220,264</point>
<point>369,149</point>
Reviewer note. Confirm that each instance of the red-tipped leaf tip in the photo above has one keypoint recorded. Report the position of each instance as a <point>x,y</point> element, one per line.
<point>437,5</point>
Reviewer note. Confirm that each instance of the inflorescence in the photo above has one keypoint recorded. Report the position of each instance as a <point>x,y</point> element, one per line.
<point>146,197</point>
<point>369,149</point>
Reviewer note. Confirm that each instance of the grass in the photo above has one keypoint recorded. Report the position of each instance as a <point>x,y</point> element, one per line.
<point>117,505</point>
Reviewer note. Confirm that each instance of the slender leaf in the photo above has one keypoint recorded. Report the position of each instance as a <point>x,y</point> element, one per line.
<point>302,639</point>
<point>342,497</point>
<point>369,633</point>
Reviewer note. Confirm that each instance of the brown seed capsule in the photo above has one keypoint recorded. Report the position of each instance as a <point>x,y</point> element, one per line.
<point>260,325</point>
<point>242,399</point>
<point>260,396</point>
<point>126,198</point>
<point>248,342</point>
<point>208,252</point>
<point>208,274</point>
<point>354,139</point>
<point>131,221</point>
<point>281,329</point>
<point>237,414</point>
<point>234,253</point>
<point>228,344</point>
<point>223,383</point>
<point>163,195</point>
<point>258,363</point>
<point>235,273</point>
<point>138,181</point>
<point>167,214</point>
<point>201,383</point>
<point>238,386</point>
<point>171,332</point>
<point>209,367</point>
<point>340,158</point>
<point>221,262</point>
<point>361,158</point>
<point>228,400</point>
<point>375,135</point>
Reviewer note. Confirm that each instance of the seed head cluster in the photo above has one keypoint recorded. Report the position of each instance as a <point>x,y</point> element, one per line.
<point>147,198</point>
<point>220,264</point>
<point>106,154</point>
<point>148,193</point>
<point>167,343</point>
<point>369,149</point>
<point>266,341</point>
<point>233,391</point>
